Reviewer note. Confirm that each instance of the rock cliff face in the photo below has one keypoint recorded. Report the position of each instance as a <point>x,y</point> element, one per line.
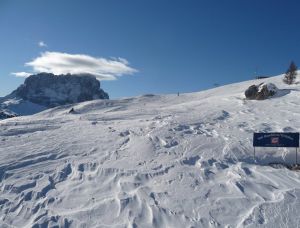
<point>45,90</point>
<point>6,115</point>
<point>52,90</point>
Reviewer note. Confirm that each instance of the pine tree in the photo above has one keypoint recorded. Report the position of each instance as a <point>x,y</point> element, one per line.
<point>290,75</point>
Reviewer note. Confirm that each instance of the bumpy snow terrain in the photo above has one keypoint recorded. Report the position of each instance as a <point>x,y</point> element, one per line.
<point>152,161</point>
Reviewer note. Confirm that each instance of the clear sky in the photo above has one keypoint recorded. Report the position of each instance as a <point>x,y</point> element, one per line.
<point>171,45</point>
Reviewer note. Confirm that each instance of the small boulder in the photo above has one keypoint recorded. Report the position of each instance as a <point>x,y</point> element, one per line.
<point>266,90</point>
<point>261,92</point>
<point>251,92</point>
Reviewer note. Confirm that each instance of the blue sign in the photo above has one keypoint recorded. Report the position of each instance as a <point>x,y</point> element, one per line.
<point>276,139</point>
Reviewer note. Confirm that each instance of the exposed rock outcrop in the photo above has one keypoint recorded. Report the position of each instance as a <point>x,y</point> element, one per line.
<point>5,115</point>
<point>52,90</point>
<point>42,91</point>
<point>251,92</point>
<point>261,91</point>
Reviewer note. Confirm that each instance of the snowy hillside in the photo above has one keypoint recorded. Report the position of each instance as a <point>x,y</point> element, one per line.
<point>152,161</point>
<point>21,107</point>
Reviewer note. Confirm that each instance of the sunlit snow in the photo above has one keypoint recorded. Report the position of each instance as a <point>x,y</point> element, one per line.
<point>152,161</point>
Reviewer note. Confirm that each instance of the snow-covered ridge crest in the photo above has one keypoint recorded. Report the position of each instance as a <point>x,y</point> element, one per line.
<point>152,161</point>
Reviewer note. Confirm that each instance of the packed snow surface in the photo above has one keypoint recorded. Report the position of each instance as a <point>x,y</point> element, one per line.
<point>152,161</point>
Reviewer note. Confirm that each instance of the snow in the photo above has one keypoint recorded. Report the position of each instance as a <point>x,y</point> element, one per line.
<point>21,107</point>
<point>152,161</point>
<point>270,86</point>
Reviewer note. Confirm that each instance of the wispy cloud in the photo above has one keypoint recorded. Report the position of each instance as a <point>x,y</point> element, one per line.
<point>21,74</point>
<point>42,44</point>
<point>64,63</point>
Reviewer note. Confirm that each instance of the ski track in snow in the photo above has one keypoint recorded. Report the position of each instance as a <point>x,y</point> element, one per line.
<point>151,161</point>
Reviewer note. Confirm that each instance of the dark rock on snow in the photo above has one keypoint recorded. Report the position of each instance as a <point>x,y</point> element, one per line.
<point>261,91</point>
<point>6,115</point>
<point>251,92</point>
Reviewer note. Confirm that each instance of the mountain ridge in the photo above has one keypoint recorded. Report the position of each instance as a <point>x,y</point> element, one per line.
<point>46,90</point>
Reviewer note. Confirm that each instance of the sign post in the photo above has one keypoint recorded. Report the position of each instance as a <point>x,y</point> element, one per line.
<point>296,156</point>
<point>276,140</point>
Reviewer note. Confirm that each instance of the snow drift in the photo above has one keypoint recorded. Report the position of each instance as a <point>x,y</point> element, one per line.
<point>152,161</point>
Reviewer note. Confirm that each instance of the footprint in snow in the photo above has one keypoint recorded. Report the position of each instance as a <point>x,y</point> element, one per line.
<point>171,144</point>
<point>224,115</point>
<point>288,129</point>
<point>191,161</point>
<point>168,142</point>
<point>125,133</point>
<point>265,127</point>
<point>196,129</point>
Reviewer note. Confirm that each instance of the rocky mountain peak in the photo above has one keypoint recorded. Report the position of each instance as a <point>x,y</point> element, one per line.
<point>52,90</point>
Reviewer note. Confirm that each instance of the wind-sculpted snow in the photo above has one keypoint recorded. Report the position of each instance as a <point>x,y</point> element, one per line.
<point>151,161</point>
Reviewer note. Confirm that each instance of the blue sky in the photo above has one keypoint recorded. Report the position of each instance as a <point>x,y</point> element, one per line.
<point>174,45</point>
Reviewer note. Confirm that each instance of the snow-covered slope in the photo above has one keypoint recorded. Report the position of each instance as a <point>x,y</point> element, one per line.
<point>21,107</point>
<point>152,161</point>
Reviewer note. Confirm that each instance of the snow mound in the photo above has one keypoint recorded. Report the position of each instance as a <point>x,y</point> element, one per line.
<point>152,161</point>
<point>270,86</point>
